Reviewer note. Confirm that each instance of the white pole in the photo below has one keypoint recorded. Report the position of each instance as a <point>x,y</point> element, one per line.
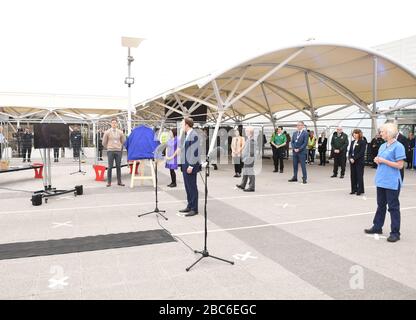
<point>129,96</point>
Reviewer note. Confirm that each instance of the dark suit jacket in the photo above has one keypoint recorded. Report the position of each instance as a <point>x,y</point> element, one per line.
<point>322,144</point>
<point>403,140</point>
<point>190,155</point>
<point>359,151</point>
<point>301,142</point>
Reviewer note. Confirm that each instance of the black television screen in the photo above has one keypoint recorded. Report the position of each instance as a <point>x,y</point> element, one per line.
<point>51,135</point>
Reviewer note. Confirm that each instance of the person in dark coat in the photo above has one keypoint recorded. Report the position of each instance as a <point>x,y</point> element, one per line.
<point>288,140</point>
<point>374,147</point>
<point>339,145</point>
<point>99,144</point>
<point>410,150</point>
<point>76,142</point>
<point>356,156</point>
<point>322,148</point>
<point>27,142</point>
<point>403,140</point>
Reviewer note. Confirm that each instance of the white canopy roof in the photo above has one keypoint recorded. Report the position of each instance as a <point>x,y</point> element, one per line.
<point>303,78</point>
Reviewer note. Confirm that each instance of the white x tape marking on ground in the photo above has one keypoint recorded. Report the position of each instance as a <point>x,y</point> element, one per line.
<point>62,224</point>
<point>376,236</point>
<point>244,257</point>
<point>58,283</point>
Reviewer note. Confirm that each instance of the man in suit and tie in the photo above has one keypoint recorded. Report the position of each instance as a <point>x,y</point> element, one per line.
<point>190,166</point>
<point>299,143</point>
<point>403,140</point>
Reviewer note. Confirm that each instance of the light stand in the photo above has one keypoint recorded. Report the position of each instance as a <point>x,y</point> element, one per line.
<point>79,161</point>
<point>156,210</point>
<point>49,191</point>
<point>205,253</point>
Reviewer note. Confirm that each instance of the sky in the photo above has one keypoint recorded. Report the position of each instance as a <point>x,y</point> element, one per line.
<point>74,47</point>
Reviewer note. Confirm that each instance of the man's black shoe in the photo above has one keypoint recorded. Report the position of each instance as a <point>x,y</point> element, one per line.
<point>185,210</point>
<point>334,176</point>
<point>191,213</point>
<point>341,177</point>
<point>248,190</point>
<point>293,180</point>
<point>393,238</point>
<point>239,186</point>
<point>304,181</point>
<point>373,231</point>
<point>352,192</point>
<point>275,170</point>
<point>281,171</point>
<point>172,185</point>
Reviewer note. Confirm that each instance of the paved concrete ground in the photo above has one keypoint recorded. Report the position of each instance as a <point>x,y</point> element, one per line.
<point>288,241</point>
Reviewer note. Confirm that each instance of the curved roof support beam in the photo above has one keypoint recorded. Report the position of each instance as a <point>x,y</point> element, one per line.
<point>263,113</point>
<point>355,102</point>
<point>196,104</point>
<point>335,110</point>
<point>171,109</point>
<point>266,76</point>
<point>274,88</point>
<point>232,93</point>
<point>326,80</point>
<point>180,103</point>
<point>287,115</point>
<point>220,103</point>
<point>313,114</point>
<point>268,106</point>
<point>271,85</point>
<point>208,104</point>
<point>397,108</point>
<point>374,109</point>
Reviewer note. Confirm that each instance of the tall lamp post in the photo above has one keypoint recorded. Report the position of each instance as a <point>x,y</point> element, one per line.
<point>129,43</point>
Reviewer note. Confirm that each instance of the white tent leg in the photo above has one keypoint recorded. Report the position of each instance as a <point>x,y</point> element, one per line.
<point>374,111</point>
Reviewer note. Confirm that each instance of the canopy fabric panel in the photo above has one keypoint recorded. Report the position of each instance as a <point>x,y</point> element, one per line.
<point>303,78</point>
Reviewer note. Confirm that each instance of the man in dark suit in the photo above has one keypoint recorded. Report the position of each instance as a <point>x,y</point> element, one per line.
<point>190,166</point>
<point>76,143</point>
<point>299,143</point>
<point>248,157</point>
<point>410,150</point>
<point>403,140</point>
<point>339,144</point>
<point>356,156</point>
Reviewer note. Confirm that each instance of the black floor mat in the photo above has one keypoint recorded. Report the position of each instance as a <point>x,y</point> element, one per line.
<point>91,243</point>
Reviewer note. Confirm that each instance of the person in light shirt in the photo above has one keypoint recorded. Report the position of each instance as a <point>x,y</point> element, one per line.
<point>388,180</point>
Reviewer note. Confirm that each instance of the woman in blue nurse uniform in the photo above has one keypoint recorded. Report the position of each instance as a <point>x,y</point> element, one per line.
<point>390,160</point>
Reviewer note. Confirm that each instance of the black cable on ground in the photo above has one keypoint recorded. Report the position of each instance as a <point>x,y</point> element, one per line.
<point>15,190</point>
<point>173,236</point>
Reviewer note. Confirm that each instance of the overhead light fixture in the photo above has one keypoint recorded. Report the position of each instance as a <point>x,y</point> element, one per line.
<point>130,42</point>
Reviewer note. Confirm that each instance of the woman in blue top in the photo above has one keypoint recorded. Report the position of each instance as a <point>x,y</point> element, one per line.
<point>172,157</point>
<point>388,182</point>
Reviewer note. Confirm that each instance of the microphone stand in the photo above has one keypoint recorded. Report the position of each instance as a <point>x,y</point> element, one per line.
<point>156,210</point>
<point>79,164</point>
<point>205,253</point>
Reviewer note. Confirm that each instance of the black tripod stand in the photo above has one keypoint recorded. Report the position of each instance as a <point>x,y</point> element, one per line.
<point>205,253</point>
<point>157,210</point>
<point>79,164</point>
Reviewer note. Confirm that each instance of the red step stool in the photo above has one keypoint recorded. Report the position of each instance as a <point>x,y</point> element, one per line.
<point>38,170</point>
<point>99,172</point>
